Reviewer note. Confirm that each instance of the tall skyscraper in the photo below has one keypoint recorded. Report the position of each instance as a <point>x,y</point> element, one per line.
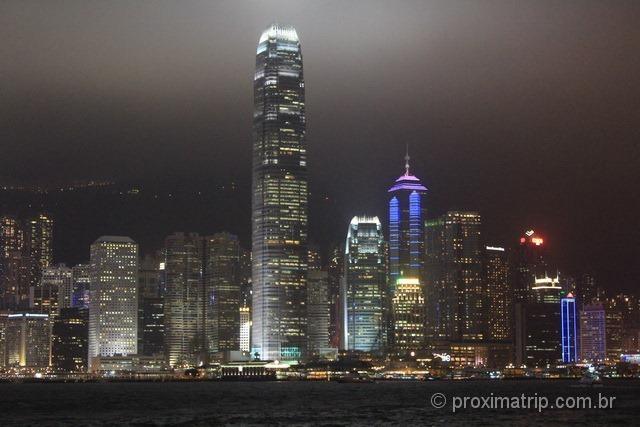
<point>593,339</point>
<point>14,265</point>
<point>406,227</point>
<point>528,263</point>
<point>318,312</point>
<point>183,302</point>
<point>455,294</point>
<point>113,311</point>
<point>364,286</point>
<point>150,308</point>
<point>408,317</point>
<point>335,271</point>
<point>222,293</point>
<point>499,308</point>
<point>39,245</point>
<point>569,329</point>
<point>279,204</point>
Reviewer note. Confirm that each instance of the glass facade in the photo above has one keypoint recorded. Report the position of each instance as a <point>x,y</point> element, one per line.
<point>279,197</point>
<point>363,290</point>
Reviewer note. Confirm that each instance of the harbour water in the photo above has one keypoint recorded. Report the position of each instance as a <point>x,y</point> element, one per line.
<point>304,403</point>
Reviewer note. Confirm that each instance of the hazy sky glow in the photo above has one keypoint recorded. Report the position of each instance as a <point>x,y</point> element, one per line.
<point>526,111</point>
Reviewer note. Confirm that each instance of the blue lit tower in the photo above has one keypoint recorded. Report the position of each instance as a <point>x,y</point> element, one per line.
<point>406,227</point>
<point>279,198</point>
<point>569,329</point>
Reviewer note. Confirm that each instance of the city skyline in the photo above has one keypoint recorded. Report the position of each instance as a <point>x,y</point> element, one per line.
<point>472,131</point>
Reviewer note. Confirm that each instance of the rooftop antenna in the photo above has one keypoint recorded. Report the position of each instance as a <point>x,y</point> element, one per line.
<point>406,161</point>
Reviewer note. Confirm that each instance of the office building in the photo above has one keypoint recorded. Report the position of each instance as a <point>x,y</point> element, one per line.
<point>280,198</point>
<point>455,287</point>
<point>184,300</point>
<point>499,308</point>
<point>408,317</point>
<point>569,329</point>
<point>593,338</point>
<point>222,288</point>
<point>364,287</point>
<point>70,340</point>
<point>28,340</point>
<point>406,227</point>
<point>318,312</point>
<point>113,310</point>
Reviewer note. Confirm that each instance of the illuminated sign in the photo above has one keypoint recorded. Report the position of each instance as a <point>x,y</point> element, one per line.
<point>537,241</point>
<point>529,233</point>
<point>494,248</point>
<point>444,357</point>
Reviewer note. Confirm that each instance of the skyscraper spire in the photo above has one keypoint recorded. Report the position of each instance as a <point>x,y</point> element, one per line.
<point>406,161</point>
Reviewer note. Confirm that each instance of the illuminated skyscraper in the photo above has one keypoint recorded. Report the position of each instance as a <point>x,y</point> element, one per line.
<point>363,289</point>
<point>39,245</point>
<point>222,293</point>
<point>499,308</point>
<point>150,308</point>
<point>408,316</point>
<point>455,294</point>
<point>279,205</point>
<point>28,340</point>
<point>113,311</point>
<point>14,266</point>
<point>569,329</point>
<point>528,263</point>
<point>406,227</point>
<point>183,301</point>
<point>593,339</point>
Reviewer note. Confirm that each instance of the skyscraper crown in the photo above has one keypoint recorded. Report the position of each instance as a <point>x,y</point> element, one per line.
<point>279,31</point>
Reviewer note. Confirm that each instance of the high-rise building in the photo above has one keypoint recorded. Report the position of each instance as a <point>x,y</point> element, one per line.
<point>406,227</point>
<point>245,329</point>
<point>364,287</point>
<point>15,267</point>
<point>81,276</point>
<point>593,341</point>
<point>318,312</point>
<point>39,240</point>
<point>222,293</point>
<point>528,263</point>
<point>183,301</point>
<point>150,308</point>
<point>499,308</point>
<point>54,292</point>
<point>70,339</point>
<point>39,245</point>
<point>569,329</point>
<point>335,272</point>
<point>28,340</point>
<point>113,311</point>
<point>455,286</point>
<point>408,316</point>
<point>614,326</point>
<point>280,193</point>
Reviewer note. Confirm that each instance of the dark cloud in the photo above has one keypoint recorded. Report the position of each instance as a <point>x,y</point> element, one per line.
<point>527,111</point>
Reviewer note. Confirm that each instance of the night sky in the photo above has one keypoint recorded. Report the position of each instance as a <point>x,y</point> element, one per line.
<point>525,111</point>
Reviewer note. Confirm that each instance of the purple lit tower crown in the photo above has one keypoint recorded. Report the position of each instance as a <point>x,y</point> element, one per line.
<point>406,226</point>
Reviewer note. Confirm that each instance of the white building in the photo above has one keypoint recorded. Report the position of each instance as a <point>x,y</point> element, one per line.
<point>113,310</point>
